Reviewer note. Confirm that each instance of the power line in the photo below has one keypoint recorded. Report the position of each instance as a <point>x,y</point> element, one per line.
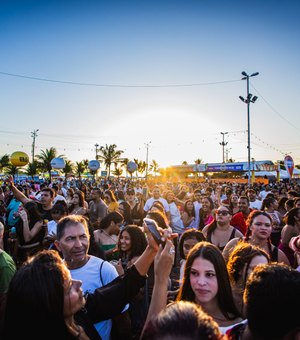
<point>113,85</point>
<point>274,110</point>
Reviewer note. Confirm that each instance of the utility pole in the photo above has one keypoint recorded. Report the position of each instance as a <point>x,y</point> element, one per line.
<point>247,101</point>
<point>223,144</point>
<point>227,152</point>
<point>96,146</point>
<point>147,153</point>
<point>33,135</point>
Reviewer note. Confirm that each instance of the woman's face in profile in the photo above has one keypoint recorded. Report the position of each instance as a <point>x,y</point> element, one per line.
<point>73,296</point>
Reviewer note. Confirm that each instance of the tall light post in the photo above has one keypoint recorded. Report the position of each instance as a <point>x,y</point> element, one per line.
<point>249,99</point>
<point>227,153</point>
<point>223,144</point>
<point>96,150</point>
<point>147,153</point>
<point>33,135</point>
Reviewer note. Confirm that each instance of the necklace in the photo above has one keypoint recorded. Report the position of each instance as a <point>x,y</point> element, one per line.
<point>107,234</point>
<point>75,211</point>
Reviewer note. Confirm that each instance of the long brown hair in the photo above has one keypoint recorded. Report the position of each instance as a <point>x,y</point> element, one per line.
<point>211,253</point>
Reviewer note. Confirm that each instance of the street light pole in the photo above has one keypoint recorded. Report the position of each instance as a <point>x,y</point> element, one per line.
<point>147,153</point>
<point>248,100</point>
<point>33,135</point>
<point>227,152</point>
<point>96,146</point>
<point>223,144</point>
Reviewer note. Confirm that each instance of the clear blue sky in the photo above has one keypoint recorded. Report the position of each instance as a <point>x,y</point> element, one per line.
<point>139,44</point>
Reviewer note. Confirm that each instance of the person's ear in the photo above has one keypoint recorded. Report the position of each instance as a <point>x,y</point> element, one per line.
<point>57,245</point>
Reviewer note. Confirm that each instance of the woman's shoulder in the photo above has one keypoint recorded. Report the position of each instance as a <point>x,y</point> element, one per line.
<point>237,234</point>
<point>205,229</point>
<point>238,238</point>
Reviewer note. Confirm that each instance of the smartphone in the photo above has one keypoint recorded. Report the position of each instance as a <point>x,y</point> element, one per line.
<point>145,193</point>
<point>152,227</point>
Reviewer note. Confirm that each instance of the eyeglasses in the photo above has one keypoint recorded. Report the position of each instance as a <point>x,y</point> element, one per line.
<point>222,212</point>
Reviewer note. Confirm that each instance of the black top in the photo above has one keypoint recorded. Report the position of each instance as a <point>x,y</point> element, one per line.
<point>109,300</point>
<point>232,236</point>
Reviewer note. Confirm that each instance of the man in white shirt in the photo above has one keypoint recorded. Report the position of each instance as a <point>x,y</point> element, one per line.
<point>198,205</point>
<point>157,197</point>
<point>57,197</point>
<point>254,203</point>
<point>265,192</point>
<point>73,240</point>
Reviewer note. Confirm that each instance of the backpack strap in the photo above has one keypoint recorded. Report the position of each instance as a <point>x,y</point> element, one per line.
<point>101,280</point>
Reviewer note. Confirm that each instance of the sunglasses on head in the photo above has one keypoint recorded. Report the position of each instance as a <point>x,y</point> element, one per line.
<point>222,212</point>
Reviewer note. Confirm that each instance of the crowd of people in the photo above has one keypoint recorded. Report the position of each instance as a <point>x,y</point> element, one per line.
<point>80,257</point>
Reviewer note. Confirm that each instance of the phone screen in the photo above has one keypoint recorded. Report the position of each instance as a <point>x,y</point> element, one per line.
<point>152,227</point>
<point>145,193</point>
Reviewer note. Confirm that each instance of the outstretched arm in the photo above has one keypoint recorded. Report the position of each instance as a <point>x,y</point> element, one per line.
<point>162,268</point>
<point>17,193</point>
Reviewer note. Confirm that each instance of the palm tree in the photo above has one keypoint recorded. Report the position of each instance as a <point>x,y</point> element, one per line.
<point>123,164</point>
<point>45,158</point>
<point>80,168</point>
<point>32,169</point>
<point>198,161</point>
<point>136,161</point>
<point>109,154</point>
<point>117,172</point>
<point>11,169</point>
<point>154,166</point>
<point>4,162</point>
<point>86,163</point>
<point>142,165</point>
<point>68,169</point>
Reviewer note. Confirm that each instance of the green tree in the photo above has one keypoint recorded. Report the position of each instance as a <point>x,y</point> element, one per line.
<point>45,158</point>
<point>69,168</point>
<point>198,161</point>
<point>123,163</point>
<point>184,163</point>
<point>4,162</point>
<point>79,168</point>
<point>110,155</point>
<point>11,169</point>
<point>154,167</point>
<point>32,168</point>
<point>86,163</point>
<point>117,172</point>
<point>142,165</point>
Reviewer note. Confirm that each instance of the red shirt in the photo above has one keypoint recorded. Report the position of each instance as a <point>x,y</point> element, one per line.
<point>239,222</point>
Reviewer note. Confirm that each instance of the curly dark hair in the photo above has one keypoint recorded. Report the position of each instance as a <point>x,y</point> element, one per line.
<point>138,241</point>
